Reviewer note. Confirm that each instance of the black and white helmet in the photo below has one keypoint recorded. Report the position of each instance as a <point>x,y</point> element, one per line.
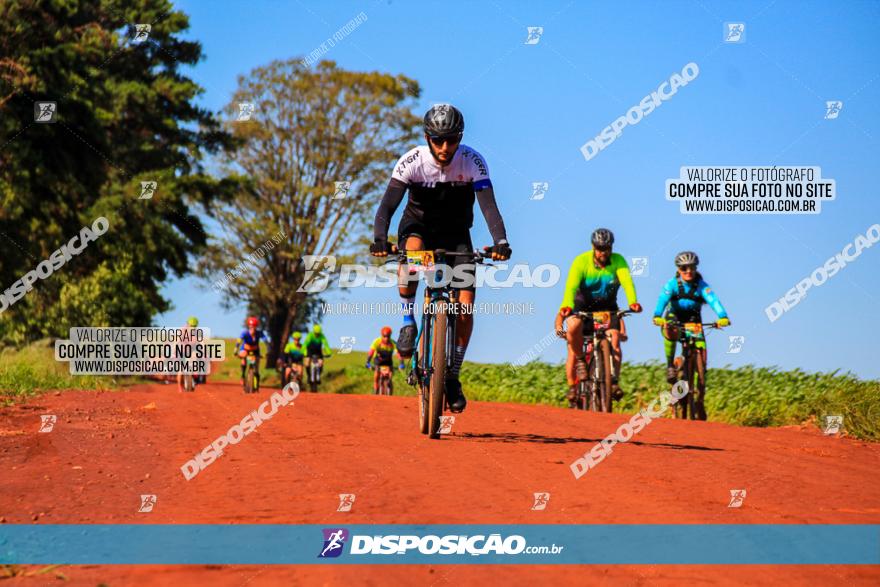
<point>444,120</point>
<point>602,238</point>
<point>686,258</point>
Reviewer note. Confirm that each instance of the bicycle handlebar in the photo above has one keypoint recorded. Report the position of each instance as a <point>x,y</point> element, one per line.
<point>675,322</point>
<point>618,313</point>
<point>477,256</point>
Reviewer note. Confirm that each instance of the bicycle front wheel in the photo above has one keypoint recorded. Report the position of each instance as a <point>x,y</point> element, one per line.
<point>605,374</point>
<point>249,380</point>
<point>700,387</point>
<point>438,375</point>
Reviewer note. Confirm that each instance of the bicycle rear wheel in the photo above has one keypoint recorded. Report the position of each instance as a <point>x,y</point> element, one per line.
<point>437,395</point>
<point>582,402</point>
<point>249,380</point>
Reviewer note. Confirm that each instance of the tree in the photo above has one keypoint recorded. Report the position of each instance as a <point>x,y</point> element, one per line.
<point>125,114</point>
<point>310,128</point>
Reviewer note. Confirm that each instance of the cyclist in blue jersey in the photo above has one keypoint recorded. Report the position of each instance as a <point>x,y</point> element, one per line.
<point>683,297</point>
<point>249,342</point>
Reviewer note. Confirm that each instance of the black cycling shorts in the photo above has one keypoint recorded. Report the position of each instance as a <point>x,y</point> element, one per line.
<point>458,240</point>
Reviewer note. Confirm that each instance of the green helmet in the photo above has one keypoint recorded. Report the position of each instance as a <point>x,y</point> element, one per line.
<point>316,329</point>
<point>192,321</point>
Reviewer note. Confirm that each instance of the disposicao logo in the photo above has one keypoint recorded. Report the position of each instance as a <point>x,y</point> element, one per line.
<point>334,540</point>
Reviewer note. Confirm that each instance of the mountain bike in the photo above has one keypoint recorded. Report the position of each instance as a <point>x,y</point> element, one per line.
<point>436,338</point>
<point>314,373</point>
<point>287,372</point>
<point>693,368</point>
<point>386,386</point>
<point>251,381</point>
<point>595,393</point>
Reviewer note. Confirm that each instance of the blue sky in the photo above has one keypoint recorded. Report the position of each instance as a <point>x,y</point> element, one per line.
<point>529,108</point>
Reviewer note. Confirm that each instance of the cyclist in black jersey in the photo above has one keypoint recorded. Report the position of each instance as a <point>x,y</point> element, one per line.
<point>444,178</point>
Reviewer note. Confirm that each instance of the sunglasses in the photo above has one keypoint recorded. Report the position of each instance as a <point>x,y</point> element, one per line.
<point>438,141</point>
<point>687,268</point>
<point>602,249</point>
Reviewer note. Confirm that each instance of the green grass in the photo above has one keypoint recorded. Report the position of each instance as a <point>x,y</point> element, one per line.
<point>33,369</point>
<point>751,396</point>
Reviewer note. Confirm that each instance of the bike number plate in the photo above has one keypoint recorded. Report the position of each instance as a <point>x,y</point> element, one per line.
<point>694,328</point>
<point>420,260</point>
<point>602,318</point>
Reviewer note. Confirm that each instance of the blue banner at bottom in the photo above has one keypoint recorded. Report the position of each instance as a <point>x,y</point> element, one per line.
<point>138,544</point>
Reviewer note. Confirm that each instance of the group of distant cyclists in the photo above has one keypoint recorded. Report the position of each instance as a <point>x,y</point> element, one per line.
<point>444,178</point>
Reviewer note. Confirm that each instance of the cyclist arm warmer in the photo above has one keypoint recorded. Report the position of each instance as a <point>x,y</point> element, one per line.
<point>712,299</point>
<point>573,282</point>
<point>626,281</point>
<point>387,207</point>
<point>664,298</point>
<point>486,198</point>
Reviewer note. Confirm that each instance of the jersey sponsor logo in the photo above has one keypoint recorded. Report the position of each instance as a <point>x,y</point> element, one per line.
<point>408,161</point>
<point>481,166</point>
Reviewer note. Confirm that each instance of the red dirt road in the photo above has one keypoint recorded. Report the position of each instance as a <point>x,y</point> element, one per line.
<point>108,448</point>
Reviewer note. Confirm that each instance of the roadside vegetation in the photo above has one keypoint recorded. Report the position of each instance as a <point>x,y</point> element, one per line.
<point>746,396</point>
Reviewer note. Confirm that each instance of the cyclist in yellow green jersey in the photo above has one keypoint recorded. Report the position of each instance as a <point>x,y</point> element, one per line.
<point>191,322</point>
<point>383,348</point>
<point>292,358</point>
<point>592,285</point>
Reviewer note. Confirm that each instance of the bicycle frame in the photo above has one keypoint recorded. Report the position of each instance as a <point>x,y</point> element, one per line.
<point>689,334</point>
<point>423,365</point>
<point>598,401</point>
<point>423,371</point>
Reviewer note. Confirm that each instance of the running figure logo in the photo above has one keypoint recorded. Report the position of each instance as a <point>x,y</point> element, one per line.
<point>317,272</point>
<point>44,112</point>
<point>832,109</point>
<point>539,190</point>
<point>734,32</point>
<point>832,424</point>
<point>639,266</point>
<point>340,189</point>
<point>147,503</point>
<point>141,33</point>
<point>47,422</point>
<point>534,33</point>
<point>245,111</point>
<point>737,497</point>
<point>334,539</point>
<point>346,500</point>
<point>346,344</point>
<point>148,188</point>
<point>446,423</point>
<point>541,500</point>
<point>735,344</point>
